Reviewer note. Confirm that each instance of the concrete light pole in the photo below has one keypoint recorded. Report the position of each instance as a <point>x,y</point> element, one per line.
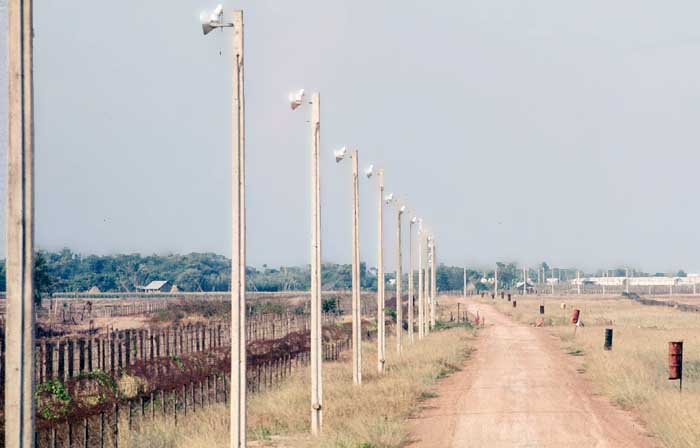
<point>296,100</point>
<point>495,281</point>
<point>238,245</point>
<point>524,281</point>
<point>428,281</point>
<point>578,282</point>
<point>433,287</point>
<point>412,221</point>
<point>238,231</point>
<point>464,289</point>
<point>19,329</point>
<point>356,309</point>
<point>381,320</point>
<point>399,275</point>
<point>421,294</point>
<point>316,352</point>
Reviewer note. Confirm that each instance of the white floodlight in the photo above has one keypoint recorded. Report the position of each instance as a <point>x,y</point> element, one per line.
<point>414,220</point>
<point>402,209</point>
<point>369,171</point>
<point>340,153</point>
<point>296,99</point>
<point>214,20</point>
<point>388,198</point>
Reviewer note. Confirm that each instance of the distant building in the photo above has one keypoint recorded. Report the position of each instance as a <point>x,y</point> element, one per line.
<point>94,290</point>
<point>638,281</point>
<point>156,286</point>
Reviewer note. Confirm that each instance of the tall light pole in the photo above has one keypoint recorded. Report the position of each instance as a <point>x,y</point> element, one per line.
<point>428,281</point>
<point>296,100</point>
<point>399,278</point>
<point>524,281</point>
<point>495,281</point>
<point>381,320</point>
<point>238,239</point>
<point>421,295</point>
<point>412,221</point>
<point>433,286</point>
<point>464,288</point>
<point>19,329</point>
<point>356,310</point>
<point>578,282</point>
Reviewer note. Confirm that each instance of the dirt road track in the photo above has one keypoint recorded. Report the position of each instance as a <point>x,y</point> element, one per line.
<point>520,390</point>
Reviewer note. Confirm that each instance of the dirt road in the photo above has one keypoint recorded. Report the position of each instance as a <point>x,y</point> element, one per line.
<point>521,390</point>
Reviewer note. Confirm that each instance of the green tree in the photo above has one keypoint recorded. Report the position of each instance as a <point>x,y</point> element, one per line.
<point>43,280</point>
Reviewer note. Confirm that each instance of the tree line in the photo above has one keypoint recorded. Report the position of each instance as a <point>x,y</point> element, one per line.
<point>67,271</point>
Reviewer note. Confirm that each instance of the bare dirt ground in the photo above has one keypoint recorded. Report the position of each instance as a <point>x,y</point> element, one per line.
<point>521,390</point>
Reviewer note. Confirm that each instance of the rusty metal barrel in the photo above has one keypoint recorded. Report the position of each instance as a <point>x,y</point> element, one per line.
<point>493,296</point>
<point>515,303</point>
<point>608,339</point>
<point>503,294</point>
<point>509,297</point>
<point>575,316</point>
<point>541,309</point>
<point>675,360</point>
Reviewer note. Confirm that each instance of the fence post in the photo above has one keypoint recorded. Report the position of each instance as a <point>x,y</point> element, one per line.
<point>89,358</point>
<point>115,430</point>
<point>128,348</point>
<point>61,361</point>
<point>111,353</point>
<point>86,432</point>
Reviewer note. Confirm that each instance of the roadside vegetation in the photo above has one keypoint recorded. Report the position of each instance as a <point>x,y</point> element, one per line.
<point>370,416</point>
<point>634,374</point>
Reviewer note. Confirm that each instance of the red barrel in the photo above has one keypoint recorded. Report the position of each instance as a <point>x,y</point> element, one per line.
<point>575,316</point>
<point>515,303</point>
<point>675,360</point>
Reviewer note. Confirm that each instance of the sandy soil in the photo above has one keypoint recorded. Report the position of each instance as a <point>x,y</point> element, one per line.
<point>521,390</point>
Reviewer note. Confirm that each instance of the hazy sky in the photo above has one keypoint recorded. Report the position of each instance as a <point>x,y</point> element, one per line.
<point>527,131</point>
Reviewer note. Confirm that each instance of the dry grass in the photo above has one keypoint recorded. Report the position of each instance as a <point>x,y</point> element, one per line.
<point>634,374</point>
<point>370,416</point>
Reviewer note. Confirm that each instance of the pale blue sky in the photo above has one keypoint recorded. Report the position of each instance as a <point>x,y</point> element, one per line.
<point>528,131</point>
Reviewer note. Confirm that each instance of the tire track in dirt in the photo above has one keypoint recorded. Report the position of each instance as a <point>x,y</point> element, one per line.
<point>520,390</point>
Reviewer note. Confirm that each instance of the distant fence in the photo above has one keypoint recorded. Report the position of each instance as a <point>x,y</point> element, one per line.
<point>105,425</point>
<point>66,357</point>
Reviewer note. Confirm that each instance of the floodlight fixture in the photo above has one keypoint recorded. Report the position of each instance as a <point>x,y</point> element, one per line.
<point>340,153</point>
<point>369,171</point>
<point>388,198</point>
<point>402,209</point>
<point>296,99</point>
<point>215,20</point>
<point>414,220</point>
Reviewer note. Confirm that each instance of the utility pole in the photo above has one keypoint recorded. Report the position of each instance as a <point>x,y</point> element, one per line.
<point>316,352</point>
<point>421,293</point>
<point>356,308</point>
<point>464,288</point>
<point>578,282</point>
<point>19,329</point>
<point>495,281</point>
<point>433,286</point>
<point>411,221</point>
<point>381,320</point>
<point>524,281</point>
<point>428,280</point>
<point>238,245</point>
<point>399,300</point>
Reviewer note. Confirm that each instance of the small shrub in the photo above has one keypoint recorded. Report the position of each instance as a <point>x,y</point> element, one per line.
<point>53,400</point>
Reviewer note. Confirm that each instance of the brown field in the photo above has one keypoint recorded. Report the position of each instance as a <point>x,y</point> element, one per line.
<point>372,415</point>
